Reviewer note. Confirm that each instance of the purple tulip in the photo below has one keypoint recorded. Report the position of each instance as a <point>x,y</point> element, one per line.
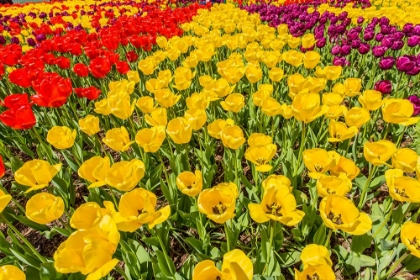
<point>360,20</point>
<point>397,45</point>
<point>345,50</point>
<point>379,37</point>
<point>386,62</point>
<point>31,42</point>
<point>378,51</point>
<point>416,104</point>
<point>413,41</point>
<point>364,48</point>
<point>320,43</point>
<point>387,42</point>
<point>414,71</point>
<point>368,36</point>
<point>385,86</point>
<point>2,40</point>
<point>404,63</point>
<point>336,50</point>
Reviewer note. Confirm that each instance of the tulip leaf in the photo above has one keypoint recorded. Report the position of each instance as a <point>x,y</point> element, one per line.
<point>154,241</point>
<point>195,244</point>
<point>165,264</point>
<point>4,245</point>
<point>7,260</point>
<point>21,144</point>
<point>48,272</point>
<point>289,258</point>
<point>73,165</point>
<point>26,258</point>
<point>30,223</point>
<point>412,263</point>
<point>33,273</point>
<point>360,242</point>
<point>320,235</point>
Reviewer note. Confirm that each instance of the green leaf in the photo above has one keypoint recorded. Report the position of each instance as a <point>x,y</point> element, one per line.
<point>164,265</point>
<point>360,243</point>
<point>412,264</point>
<point>48,272</point>
<point>195,244</point>
<point>154,241</point>
<point>26,259</point>
<point>320,235</point>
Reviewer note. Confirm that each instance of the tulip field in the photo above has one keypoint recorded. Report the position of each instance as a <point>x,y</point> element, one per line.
<point>182,139</point>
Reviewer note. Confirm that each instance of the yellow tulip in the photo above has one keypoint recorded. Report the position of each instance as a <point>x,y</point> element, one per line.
<point>410,237</point>
<point>136,208</point>
<point>165,77</point>
<point>306,107</point>
<point>180,130</point>
<point>283,29</point>
<point>271,107</point>
<point>198,101</point>
<point>340,89</point>
<point>118,139</point>
<point>327,185</point>
<point>353,86</point>
<point>314,254</point>
<point>150,139</point>
<point>196,117</point>
<point>145,104</point>
<point>222,88</point>
<point>258,139</point>
<point>173,53</point>
<point>157,117</point>
<point>295,82</point>
<point>166,98</point>
<point>308,41</point>
<point>278,204</point>
<point>259,96</point>
<point>36,174</point>
<point>335,111</point>
<point>277,181</point>
<point>11,272</point>
<point>89,125</point>
<point>357,117</point>
<point>125,175</point>
<point>233,103</point>
<point>232,137</point>
<point>61,137</point>
<point>332,72</point>
<point>320,271</point>
<point>216,127</point>
<point>293,42</point>
<point>153,85</point>
<point>319,161</point>
<point>339,131</point>
<point>253,73</point>
<point>94,170</point>
<point>378,153</point>
<point>313,85</point>
<point>190,183</point>
<point>121,106</point>
<point>401,188</point>
<point>87,216</point>
<point>102,107</point>
<point>4,200</point>
<point>218,202</point>
<point>206,81</point>
<point>332,98</point>
<point>346,166</point>
<point>399,111</point>
<point>405,159</point>
<point>261,155</point>
<point>162,42</point>
<point>311,59</point>
<point>271,59</point>
<point>236,265</point>
<point>293,57</point>
<point>276,74</point>
<point>147,66</point>
<point>371,100</point>
<point>339,212</point>
<point>43,208</point>
<point>133,76</point>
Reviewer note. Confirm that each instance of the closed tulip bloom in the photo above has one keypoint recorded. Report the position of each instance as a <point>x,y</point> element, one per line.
<point>218,202</point>
<point>277,181</point>
<point>357,117</point>
<point>166,98</point>
<point>261,155</point>
<point>339,213</point>
<point>276,74</point>
<point>399,111</point>
<point>253,73</point>
<point>118,139</point>
<point>190,183</point>
<point>402,188</point>
<point>332,72</point>
<point>259,96</point>
<point>340,89</point>
<point>4,200</point>
<point>232,137</point>
<point>147,66</point>
<point>216,127</point>
<point>332,98</point>
<point>311,59</point>
<point>306,107</point>
<point>378,153</point>
<point>153,85</point>
<point>196,117</point>
<point>133,76</point>
<point>136,208</point>
<point>320,271</point>
<point>293,57</point>
<point>271,107</point>
<point>314,254</point>
<point>88,215</point>
<point>410,237</point>
<point>308,41</point>
<point>157,117</point>
<point>233,103</point>
<point>279,205</point>
<point>43,208</point>
<point>36,174</point>
<point>353,86</point>
<point>94,170</point>
<point>151,139</point>
<point>198,101</point>
<point>61,137</point>
<point>258,139</point>
<point>180,130</point>
<point>162,42</point>
<point>89,125</point>
<point>319,161</point>
<point>236,265</point>
<point>335,111</point>
<point>339,131</point>
<point>102,107</point>
<point>145,104</point>
<point>11,272</point>
<point>327,185</point>
<point>125,175</point>
<point>293,42</point>
<point>165,77</point>
<point>346,166</point>
<point>371,100</point>
<point>405,159</point>
<point>222,88</point>
<point>271,58</point>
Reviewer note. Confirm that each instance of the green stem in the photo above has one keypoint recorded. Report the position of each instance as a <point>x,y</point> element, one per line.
<point>163,167</point>
<point>24,240</point>
<point>362,196</point>
<point>121,272</point>
<point>65,225</point>
<point>164,252</point>
<point>300,149</point>
<point>227,237</point>
<point>396,264</point>
<point>327,241</point>
<point>270,245</point>
<point>384,222</point>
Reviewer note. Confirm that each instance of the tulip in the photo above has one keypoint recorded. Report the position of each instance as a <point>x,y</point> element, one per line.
<point>253,73</point>
<point>89,125</point>
<point>133,76</point>
<point>61,137</point>
<point>410,237</point>
<point>339,131</point>
<point>190,183</point>
<point>399,111</point>
<point>346,166</point>
<point>216,127</point>
<point>311,59</point>
<point>353,86</point>
<point>198,101</point>
<point>308,41</point>
<point>401,188</point>
<point>339,212</point>
<point>136,208</point>
<point>404,63</point>
<point>320,271</point>
<point>120,105</point>
<point>147,66</point>
<point>166,98</point>
<point>405,159</point>
<point>306,107</point>
<point>11,272</point>
<point>416,104</point>
<point>233,103</point>
<point>218,202</point>
<point>371,100</point>
<point>258,139</point>
<point>179,130</point>
<point>196,117</point>
<point>94,170</point>
<point>2,169</point>
<point>384,87</point>
<point>222,88</point>
<point>118,139</point>
<point>293,42</point>
<point>145,104</point>
<point>276,74</point>
<point>261,155</point>
<point>125,175</point>
<point>378,153</point>
<point>386,62</point>
<point>36,174</point>
<point>151,139</point>
<point>43,208</point>
<point>327,185</point>
<point>102,107</point>
<point>4,200</point>
<point>314,254</point>
<point>236,265</point>
<point>319,161</point>
<point>357,117</point>
<point>332,99</point>
<point>332,72</point>
<point>271,59</point>
<point>293,58</point>
<point>88,216</point>
<point>232,137</point>
<point>157,117</point>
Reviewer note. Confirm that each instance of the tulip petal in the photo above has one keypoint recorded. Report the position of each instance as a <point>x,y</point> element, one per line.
<point>257,213</point>
<point>364,224</point>
<point>264,168</point>
<point>166,212</point>
<point>103,270</point>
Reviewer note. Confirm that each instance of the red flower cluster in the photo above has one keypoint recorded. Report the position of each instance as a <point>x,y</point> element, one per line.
<point>91,93</point>
<point>19,114</point>
<point>52,90</point>
<point>2,169</point>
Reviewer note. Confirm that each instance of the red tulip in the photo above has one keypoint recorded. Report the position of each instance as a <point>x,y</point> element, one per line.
<point>132,56</point>
<point>63,62</point>
<point>21,77</point>
<point>2,169</point>
<point>19,114</point>
<point>81,70</point>
<point>99,67</point>
<point>91,93</point>
<point>122,67</point>
<point>52,90</point>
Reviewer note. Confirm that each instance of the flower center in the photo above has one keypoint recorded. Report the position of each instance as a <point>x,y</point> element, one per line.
<point>313,277</point>
<point>401,192</point>
<point>318,167</point>
<point>415,243</point>
<point>261,161</point>
<point>336,219</point>
<point>219,208</point>
<point>273,209</point>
